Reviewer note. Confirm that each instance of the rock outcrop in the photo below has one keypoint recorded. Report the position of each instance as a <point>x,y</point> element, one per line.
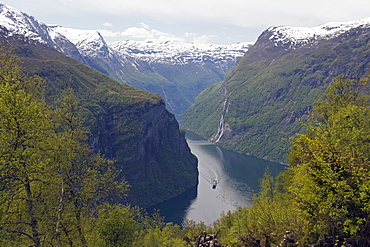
<point>128,125</point>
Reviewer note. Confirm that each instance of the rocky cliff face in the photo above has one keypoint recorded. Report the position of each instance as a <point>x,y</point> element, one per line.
<point>145,151</point>
<point>263,99</point>
<point>128,125</point>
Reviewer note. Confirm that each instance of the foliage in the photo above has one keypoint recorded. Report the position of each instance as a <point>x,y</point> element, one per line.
<point>324,196</point>
<point>270,215</point>
<point>54,190</point>
<point>271,90</point>
<point>330,162</point>
<point>26,138</point>
<point>122,121</point>
<point>50,181</point>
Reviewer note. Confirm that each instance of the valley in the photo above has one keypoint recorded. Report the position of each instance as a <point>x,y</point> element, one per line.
<point>265,99</point>
<point>251,138</point>
<point>238,177</point>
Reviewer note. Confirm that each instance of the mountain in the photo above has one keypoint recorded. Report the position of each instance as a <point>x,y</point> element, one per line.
<point>128,125</point>
<point>175,70</point>
<point>262,101</point>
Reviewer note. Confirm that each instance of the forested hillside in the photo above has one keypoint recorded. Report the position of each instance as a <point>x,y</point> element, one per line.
<point>323,198</point>
<point>177,71</point>
<point>127,125</point>
<point>265,97</point>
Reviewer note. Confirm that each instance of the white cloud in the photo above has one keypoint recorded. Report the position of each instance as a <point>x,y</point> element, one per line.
<point>243,18</point>
<point>108,34</point>
<point>145,26</point>
<point>107,24</point>
<point>136,33</point>
<point>198,38</point>
<point>203,38</point>
<point>246,13</point>
<point>140,33</point>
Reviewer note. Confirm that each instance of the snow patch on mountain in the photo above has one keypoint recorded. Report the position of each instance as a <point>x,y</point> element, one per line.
<point>88,42</point>
<point>303,35</point>
<point>177,52</point>
<point>17,22</point>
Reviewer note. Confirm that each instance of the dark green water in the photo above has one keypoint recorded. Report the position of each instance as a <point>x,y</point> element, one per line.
<point>238,178</point>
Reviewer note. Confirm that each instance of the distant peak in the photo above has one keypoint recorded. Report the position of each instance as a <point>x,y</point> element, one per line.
<point>303,35</point>
<point>175,51</point>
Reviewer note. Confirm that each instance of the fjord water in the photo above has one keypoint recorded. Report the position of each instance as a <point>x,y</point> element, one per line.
<point>238,178</point>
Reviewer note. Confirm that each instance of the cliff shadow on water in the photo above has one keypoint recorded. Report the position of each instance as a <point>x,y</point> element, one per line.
<point>238,177</point>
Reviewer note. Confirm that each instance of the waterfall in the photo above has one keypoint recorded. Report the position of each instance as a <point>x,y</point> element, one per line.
<point>221,125</point>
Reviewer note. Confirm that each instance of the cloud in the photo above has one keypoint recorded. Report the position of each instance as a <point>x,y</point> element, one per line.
<point>144,32</point>
<point>198,38</point>
<point>203,38</point>
<point>145,26</point>
<point>244,13</point>
<point>244,19</point>
<point>137,33</point>
<point>140,33</point>
<point>107,24</point>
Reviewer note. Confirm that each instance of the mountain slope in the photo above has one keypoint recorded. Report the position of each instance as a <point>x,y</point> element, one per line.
<point>177,71</point>
<point>128,125</point>
<point>263,99</point>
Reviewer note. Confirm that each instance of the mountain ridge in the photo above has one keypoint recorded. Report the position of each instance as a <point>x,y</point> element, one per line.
<point>175,70</point>
<point>128,125</point>
<point>262,101</point>
<point>298,36</point>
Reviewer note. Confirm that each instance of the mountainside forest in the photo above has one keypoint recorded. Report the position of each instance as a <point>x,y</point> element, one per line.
<point>82,155</point>
<point>127,125</point>
<point>175,70</point>
<point>56,191</point>
<point>264,99</point>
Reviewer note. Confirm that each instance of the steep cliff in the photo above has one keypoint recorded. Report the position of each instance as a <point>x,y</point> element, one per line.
<point>129,125</point>
<point>265,97</point>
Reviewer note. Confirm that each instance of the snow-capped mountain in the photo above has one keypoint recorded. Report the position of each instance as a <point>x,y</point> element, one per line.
<point>272,89</point>
<point>90,43</point>
<point>176,52</point>
<point>175,70</point>
<point>296,36</point>
<point>17,22</point>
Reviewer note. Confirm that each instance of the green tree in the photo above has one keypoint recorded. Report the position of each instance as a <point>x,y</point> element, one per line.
<point>270,215</point>
<point>116,226</point>
<point>168,236</point>
<point>25,137</point>
<point>51,181</point>
<point>85,179</point>
<point>330,162</point>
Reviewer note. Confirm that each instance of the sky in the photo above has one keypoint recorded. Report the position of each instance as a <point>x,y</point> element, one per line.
<point>204,21</point>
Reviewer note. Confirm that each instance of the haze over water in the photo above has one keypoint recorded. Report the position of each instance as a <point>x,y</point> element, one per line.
<point>238,178</point>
